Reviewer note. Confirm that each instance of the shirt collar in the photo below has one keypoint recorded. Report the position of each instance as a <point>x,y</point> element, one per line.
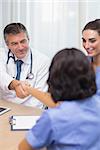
<point>27,58</point>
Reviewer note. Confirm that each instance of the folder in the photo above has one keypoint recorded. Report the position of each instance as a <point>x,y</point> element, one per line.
<point>18,122</point>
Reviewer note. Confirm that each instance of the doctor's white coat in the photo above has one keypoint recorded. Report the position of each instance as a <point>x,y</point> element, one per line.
<point>40,67</point>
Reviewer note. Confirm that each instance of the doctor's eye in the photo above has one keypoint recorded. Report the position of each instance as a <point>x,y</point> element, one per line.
<point>24,41</point>
<point>92,40</point>
<point>83,40</point>
<point>14,44</point>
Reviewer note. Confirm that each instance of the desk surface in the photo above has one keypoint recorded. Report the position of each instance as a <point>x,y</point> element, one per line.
<point>9,140</point>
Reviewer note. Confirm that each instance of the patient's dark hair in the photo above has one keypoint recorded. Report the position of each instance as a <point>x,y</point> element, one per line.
<point>14,28</point>
<point>71,76</point>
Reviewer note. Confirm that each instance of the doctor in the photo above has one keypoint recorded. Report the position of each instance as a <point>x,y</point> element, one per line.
<point>20,63</point>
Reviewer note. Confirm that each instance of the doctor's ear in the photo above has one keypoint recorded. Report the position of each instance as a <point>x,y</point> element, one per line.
<point>7,43</point>
<point>28,39</point>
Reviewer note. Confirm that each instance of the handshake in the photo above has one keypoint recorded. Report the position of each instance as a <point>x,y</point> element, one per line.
<point>22,88</point>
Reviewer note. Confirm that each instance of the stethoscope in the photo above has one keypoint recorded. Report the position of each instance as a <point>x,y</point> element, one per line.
<point>30,75</point>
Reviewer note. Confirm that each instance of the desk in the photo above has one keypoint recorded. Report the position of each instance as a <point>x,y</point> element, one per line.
<point>9,140</point>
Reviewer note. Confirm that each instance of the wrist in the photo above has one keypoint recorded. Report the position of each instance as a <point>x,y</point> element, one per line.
<point>13,84</point>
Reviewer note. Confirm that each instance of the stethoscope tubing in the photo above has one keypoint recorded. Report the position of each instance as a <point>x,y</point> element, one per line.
<point>13,57</point>
<point>30,74</point>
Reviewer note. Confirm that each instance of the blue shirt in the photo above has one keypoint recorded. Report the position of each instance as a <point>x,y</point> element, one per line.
<point>98,79</point>
<point>72,125</point>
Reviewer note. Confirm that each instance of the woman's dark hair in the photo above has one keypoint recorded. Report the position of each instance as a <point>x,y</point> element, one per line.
<point>14,28</point>
<point>71,76</point>
<point>93,25</point>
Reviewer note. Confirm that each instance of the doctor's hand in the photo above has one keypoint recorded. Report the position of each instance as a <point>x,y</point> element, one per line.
<point>18,87</point>
<point>21,92</point>
<point>26,87</point>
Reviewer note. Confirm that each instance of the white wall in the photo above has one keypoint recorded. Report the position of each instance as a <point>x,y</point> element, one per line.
<point>52,24</point>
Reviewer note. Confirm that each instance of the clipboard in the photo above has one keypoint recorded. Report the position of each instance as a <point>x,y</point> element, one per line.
<point>19,122</point>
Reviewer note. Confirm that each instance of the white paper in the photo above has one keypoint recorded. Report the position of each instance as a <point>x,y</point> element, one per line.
<point>23,122</point>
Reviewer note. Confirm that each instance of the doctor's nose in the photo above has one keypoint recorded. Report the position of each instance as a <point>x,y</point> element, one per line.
<point>87,45</point>
<point>20,46</point>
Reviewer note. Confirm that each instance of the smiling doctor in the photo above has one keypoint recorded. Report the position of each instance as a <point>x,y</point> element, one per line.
<point>91,43</point>
<point>19,63</point>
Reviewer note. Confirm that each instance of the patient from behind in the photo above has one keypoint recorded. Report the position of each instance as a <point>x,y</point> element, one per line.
<point>74,122</point>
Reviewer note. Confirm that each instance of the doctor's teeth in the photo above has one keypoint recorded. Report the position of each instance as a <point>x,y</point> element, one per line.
<point>91,49</point>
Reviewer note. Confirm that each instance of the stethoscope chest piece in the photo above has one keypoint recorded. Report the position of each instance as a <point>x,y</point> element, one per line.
<point>30,76</point>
